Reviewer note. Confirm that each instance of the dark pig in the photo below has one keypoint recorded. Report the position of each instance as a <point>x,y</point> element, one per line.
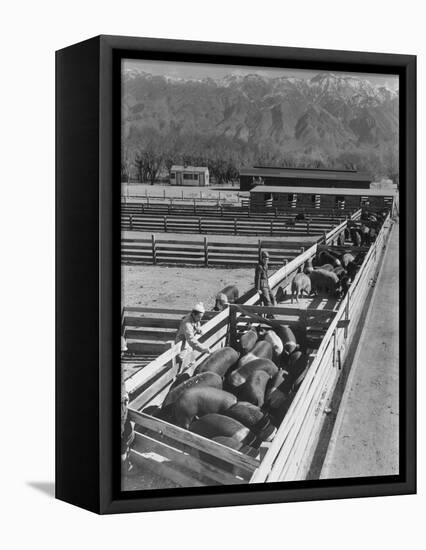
<point>204,379</point>
<point>248,341</point>
<point>327,258</point>
<point>239,376</point>
<point>253,417</point>
<point>325,281</point>
<point>228,295</point>
<point>199,402</point>
<point>253,390</point>
<point>219,361</point>
<point>262,349</point>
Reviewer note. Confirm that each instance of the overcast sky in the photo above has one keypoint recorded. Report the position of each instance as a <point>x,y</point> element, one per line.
<point>204,70</point>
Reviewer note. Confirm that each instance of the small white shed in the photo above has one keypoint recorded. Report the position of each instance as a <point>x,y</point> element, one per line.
<point>189,175</point>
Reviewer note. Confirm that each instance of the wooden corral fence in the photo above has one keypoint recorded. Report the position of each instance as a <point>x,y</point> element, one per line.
<point>151,330</point>
<point>277,227</point>
<point>213,253</point>
<point>229,211</point>
<point>205,252</point>
<point>192,460</point>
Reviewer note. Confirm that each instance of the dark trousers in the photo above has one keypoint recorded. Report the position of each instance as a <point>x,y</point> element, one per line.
<point>267,298</point>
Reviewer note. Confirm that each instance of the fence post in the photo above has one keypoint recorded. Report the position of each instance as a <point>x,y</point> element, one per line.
<point>259,249</point>
<point>324,236</point>
<point>272,228</point>
<point>164,193</point>
<point>308,227</point>
<point>334,347</point>
<point>199,226</point>
<point>347,313</point>
<point>235,226</point>
<point>130,222</point>
<point>206,251</point>
<point>232,326</point>
<point>165,224</point>
<point>195,207</point>
<point>182,193</point>
<point>154,249</point>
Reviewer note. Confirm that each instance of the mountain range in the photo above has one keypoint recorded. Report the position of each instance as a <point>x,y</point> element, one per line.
<point>335,120</point>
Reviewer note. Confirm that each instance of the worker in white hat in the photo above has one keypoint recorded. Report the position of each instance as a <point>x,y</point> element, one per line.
<point>188,333</point>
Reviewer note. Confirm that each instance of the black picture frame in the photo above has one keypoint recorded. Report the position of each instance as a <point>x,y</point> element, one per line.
<point>88,273</point>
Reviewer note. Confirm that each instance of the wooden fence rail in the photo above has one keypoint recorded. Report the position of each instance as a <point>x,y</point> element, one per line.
<point>227,210</point>
<point>273,227</point>
<point>205,252</point>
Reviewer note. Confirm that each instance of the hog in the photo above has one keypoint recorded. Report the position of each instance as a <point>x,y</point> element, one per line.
<point>253,390</point>
<point>301,283</point>
<point>325,281</point>
<point>215,425</point>
<point>219,361</point>
<point>199,402</point>
<point>239,376</point>
<point>248,341</point>
<point>204,379</point>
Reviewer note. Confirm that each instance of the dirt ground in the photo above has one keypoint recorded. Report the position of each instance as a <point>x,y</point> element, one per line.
<point>179,287</point>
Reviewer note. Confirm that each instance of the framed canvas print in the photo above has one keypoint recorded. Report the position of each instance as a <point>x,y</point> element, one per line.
<point>235,274</point>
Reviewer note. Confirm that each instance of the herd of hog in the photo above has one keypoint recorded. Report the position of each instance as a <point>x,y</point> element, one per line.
<point>331,273</point>
<point>239,396</point>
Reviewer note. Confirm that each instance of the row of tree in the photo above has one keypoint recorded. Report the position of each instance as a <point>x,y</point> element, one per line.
<point>150,156</point>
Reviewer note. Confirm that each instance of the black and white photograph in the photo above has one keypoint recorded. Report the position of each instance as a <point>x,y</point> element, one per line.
<point>260,274</point>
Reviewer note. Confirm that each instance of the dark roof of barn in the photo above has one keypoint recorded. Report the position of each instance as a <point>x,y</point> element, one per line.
<point>323,191</point>
<point>306,173</point>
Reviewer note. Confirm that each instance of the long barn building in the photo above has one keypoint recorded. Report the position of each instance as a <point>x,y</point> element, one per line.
<point>306,177</point>
<point>282,198</point>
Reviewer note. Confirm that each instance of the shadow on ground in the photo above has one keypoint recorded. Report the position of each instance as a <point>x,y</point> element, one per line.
<point>46,487</point>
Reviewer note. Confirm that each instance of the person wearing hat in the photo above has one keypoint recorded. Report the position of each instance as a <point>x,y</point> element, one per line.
<point>261,281</point>
<point>189,330</point>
